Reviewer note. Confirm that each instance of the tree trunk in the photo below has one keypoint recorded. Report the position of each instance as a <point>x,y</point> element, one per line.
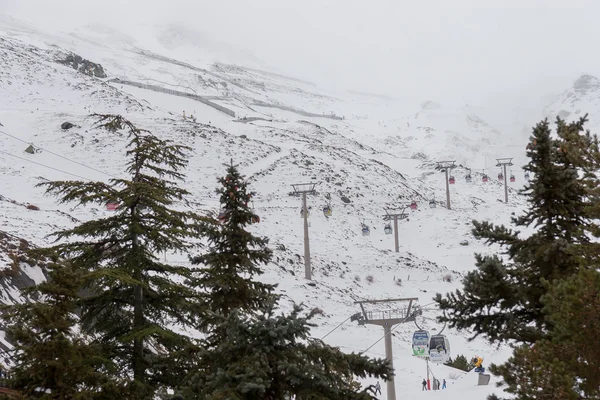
<point>138,322</point>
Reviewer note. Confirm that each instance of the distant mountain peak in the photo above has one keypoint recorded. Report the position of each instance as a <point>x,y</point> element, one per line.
<point>586,83</point>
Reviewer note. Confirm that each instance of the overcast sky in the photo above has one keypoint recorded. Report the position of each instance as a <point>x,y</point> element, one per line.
<point>505,52</point>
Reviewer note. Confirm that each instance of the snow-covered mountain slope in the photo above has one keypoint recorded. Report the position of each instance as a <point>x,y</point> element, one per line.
<point>582,98</point>
<point>367,153</point>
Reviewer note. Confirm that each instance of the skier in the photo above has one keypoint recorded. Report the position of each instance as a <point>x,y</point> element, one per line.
<point>478,362</point>
<point>377,388</point>
<point>444,384</point>
<point>424,383</point>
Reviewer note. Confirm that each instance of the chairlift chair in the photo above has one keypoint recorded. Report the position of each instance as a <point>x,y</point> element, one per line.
<point>512,178</point>
<point>451,180</point>
<point>388,229</point>
<point>112,205</point>
<point>413,205</point>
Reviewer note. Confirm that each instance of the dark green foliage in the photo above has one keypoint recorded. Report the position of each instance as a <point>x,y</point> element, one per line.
<point>235,255</point>
<point>573,308</point>
<point>249,352</point>
<point>272,357</point>
<point>533,372</point>
<point>460,362</point>
<point>502,300</point>
<point>48,353</point>
<point>569,362</point>
<point>132,295</point>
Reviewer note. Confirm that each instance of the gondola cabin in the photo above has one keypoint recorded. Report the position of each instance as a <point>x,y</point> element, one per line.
<point>327,211</point>
<point>365,230</point>
<point>388,229</point>
<point>452,181</point>
<point>413,205</point>
<point>526,176</point>
<point>439,349</point>
<point>222,216</point>
<point>468,178</point>
<point>512,178</point>
<point>112,205</point>
<point>302,213</point>
<point>500,176</point>
<point>432,204</point>
<point>484,178</point>
<point>420,343</point>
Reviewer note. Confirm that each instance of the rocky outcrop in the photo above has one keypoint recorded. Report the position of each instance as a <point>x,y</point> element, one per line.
<point>586,83</point>
<point>84,66</point>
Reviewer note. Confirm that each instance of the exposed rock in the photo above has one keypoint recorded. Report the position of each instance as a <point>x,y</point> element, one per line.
<point>84,66</point>
<point>66,125</point>
<point>345,199</point>
<point>32,207</point>
<point>586,83</point>
<point>464,243</point>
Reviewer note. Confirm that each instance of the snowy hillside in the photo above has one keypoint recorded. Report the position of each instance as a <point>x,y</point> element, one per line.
<point>367,153</point>
<point>582,98</point>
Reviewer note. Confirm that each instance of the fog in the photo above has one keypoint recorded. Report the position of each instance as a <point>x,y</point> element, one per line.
<point>507,54</point>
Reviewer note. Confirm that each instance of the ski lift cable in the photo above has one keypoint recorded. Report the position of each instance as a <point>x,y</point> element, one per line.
<point>46,166</point>
<point>58,155</point>
<point>383,337</point>
<point>336,327</point>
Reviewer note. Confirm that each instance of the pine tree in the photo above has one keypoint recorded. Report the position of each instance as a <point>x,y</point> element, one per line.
<point>268,357</point>
<point>460,362</point>
<point>567,364</point>
<point>502,300</point>
<point>235,255</point>
<point>133,298</point>
<point>52,360</point>
<point>249,352</point>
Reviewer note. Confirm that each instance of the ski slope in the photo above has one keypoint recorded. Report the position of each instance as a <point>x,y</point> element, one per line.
<point>380,156</point>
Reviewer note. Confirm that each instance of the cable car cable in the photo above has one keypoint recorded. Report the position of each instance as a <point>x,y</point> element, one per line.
<point>336,327</point>
<point>383,337</point>
<point>43,165</point>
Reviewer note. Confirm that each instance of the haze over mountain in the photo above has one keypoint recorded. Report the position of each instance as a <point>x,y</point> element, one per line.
<point>362,99</point>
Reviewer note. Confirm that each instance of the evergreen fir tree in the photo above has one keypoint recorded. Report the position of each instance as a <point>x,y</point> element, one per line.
<point>502,300</point>
<point>269,357</point>
<point>249,352</point>
<point>460,362</point>
<point>235,255</point>
<point>51,359</point>
<point>568,364</point>
<point>132,295</point>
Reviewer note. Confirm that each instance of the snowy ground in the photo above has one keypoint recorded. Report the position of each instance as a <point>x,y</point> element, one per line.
<point>373,157</point>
